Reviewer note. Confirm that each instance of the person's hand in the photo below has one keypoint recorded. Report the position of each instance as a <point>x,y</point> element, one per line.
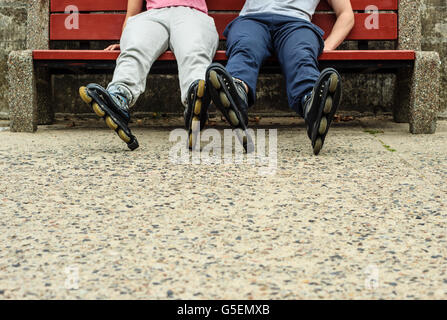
<point>113,47</point>
<point>328,47</point>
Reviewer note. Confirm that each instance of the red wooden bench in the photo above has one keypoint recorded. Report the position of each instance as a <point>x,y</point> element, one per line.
<point>398,21</point>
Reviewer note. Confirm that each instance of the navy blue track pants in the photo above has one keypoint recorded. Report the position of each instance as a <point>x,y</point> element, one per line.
<point>297,43</point>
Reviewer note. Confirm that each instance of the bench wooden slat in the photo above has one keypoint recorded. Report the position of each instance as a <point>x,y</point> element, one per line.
<point>340,55</point>
<point>213,5</point>
<point>108,26</point>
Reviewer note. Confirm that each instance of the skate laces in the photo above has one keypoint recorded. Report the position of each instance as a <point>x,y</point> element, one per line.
<point>121,96</point>
<point>120,100</point>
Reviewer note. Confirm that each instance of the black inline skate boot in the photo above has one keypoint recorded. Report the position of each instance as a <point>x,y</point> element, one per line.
<point>230,97</point>
<point>196,111</point>
<point>113,108</point>
<point>320,106</point>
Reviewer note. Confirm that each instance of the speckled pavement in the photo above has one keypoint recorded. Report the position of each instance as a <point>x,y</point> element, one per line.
<point>84,218</point>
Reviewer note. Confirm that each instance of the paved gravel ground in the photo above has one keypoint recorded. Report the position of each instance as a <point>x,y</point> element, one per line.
<point>83,218</point>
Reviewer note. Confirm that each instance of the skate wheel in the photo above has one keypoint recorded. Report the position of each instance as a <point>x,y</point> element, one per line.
<point>124,136</point>
<point>84,96</point>
<point>190,141</point>
<point>328,105</point>
<point>224,99</point>
<point>111,124</point>
<point>198,107</point>
<point>201,89</point>
<point>214,80</point>
<point>233,118</point>
<point>317,146</point>
<point>323,126</point>
<point>333,83</point>
<point>195,125</point>
<point>97,109</point>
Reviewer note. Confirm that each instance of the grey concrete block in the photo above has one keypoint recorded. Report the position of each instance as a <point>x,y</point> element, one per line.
<point>434,31</point>
<point>12,37</point>
<point>22,96</point>
<point>424,94</point>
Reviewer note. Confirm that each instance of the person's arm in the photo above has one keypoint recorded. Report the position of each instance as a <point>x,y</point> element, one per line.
<point>134,7</point>
<point>343,25</point>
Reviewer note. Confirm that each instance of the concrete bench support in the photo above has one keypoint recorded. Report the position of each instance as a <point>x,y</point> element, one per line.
<point>29,95</point>
<point>424,103</point>
<point>22,96</point>
<point>417,94</point>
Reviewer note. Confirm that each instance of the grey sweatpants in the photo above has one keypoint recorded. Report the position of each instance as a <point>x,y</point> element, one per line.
<point>189,33</point>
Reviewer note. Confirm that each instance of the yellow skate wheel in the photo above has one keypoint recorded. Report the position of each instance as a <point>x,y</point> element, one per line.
<point>333,83</point>
<point>124,136</point>
<point>111,124</point>
<point>317,146</point>
<point>198,107</point>
<point>323,126</point>
<point>84,96</point>
<point>97,109</point>
<point>201,89</point>
<point>224,99</point>
<point>190,141</point>
<point>328,105</point>
<point>214,80</point>
<point>233,118</point>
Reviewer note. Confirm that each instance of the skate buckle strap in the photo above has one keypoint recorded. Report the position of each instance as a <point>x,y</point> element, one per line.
<point>306,104</point>
<point>240,87</point>
<point>240,83</point>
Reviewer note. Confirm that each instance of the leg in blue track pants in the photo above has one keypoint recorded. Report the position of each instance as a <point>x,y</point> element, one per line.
<point>249,44</point>
<point>251,39</point>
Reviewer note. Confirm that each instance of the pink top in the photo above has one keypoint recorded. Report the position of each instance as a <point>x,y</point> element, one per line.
<point>196,4</point>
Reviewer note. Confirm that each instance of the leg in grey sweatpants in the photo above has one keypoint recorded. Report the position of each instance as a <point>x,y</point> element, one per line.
<point>190,34</point>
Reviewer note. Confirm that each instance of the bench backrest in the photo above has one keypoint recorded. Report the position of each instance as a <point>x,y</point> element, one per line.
<point>103,19</point>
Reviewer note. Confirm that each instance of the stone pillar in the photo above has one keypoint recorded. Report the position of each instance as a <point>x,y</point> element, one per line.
<point>418,88</point>
<point>434,38</point>
<point>13,37</point>
<point>35,107</point>
<point>424,95</point>
<point>22,96</point>
<point>409,39</point>
<point>38,21</point>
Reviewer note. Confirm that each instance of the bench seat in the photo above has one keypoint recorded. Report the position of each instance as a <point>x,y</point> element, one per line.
<point>100,61</point>
<point>343,55</point>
